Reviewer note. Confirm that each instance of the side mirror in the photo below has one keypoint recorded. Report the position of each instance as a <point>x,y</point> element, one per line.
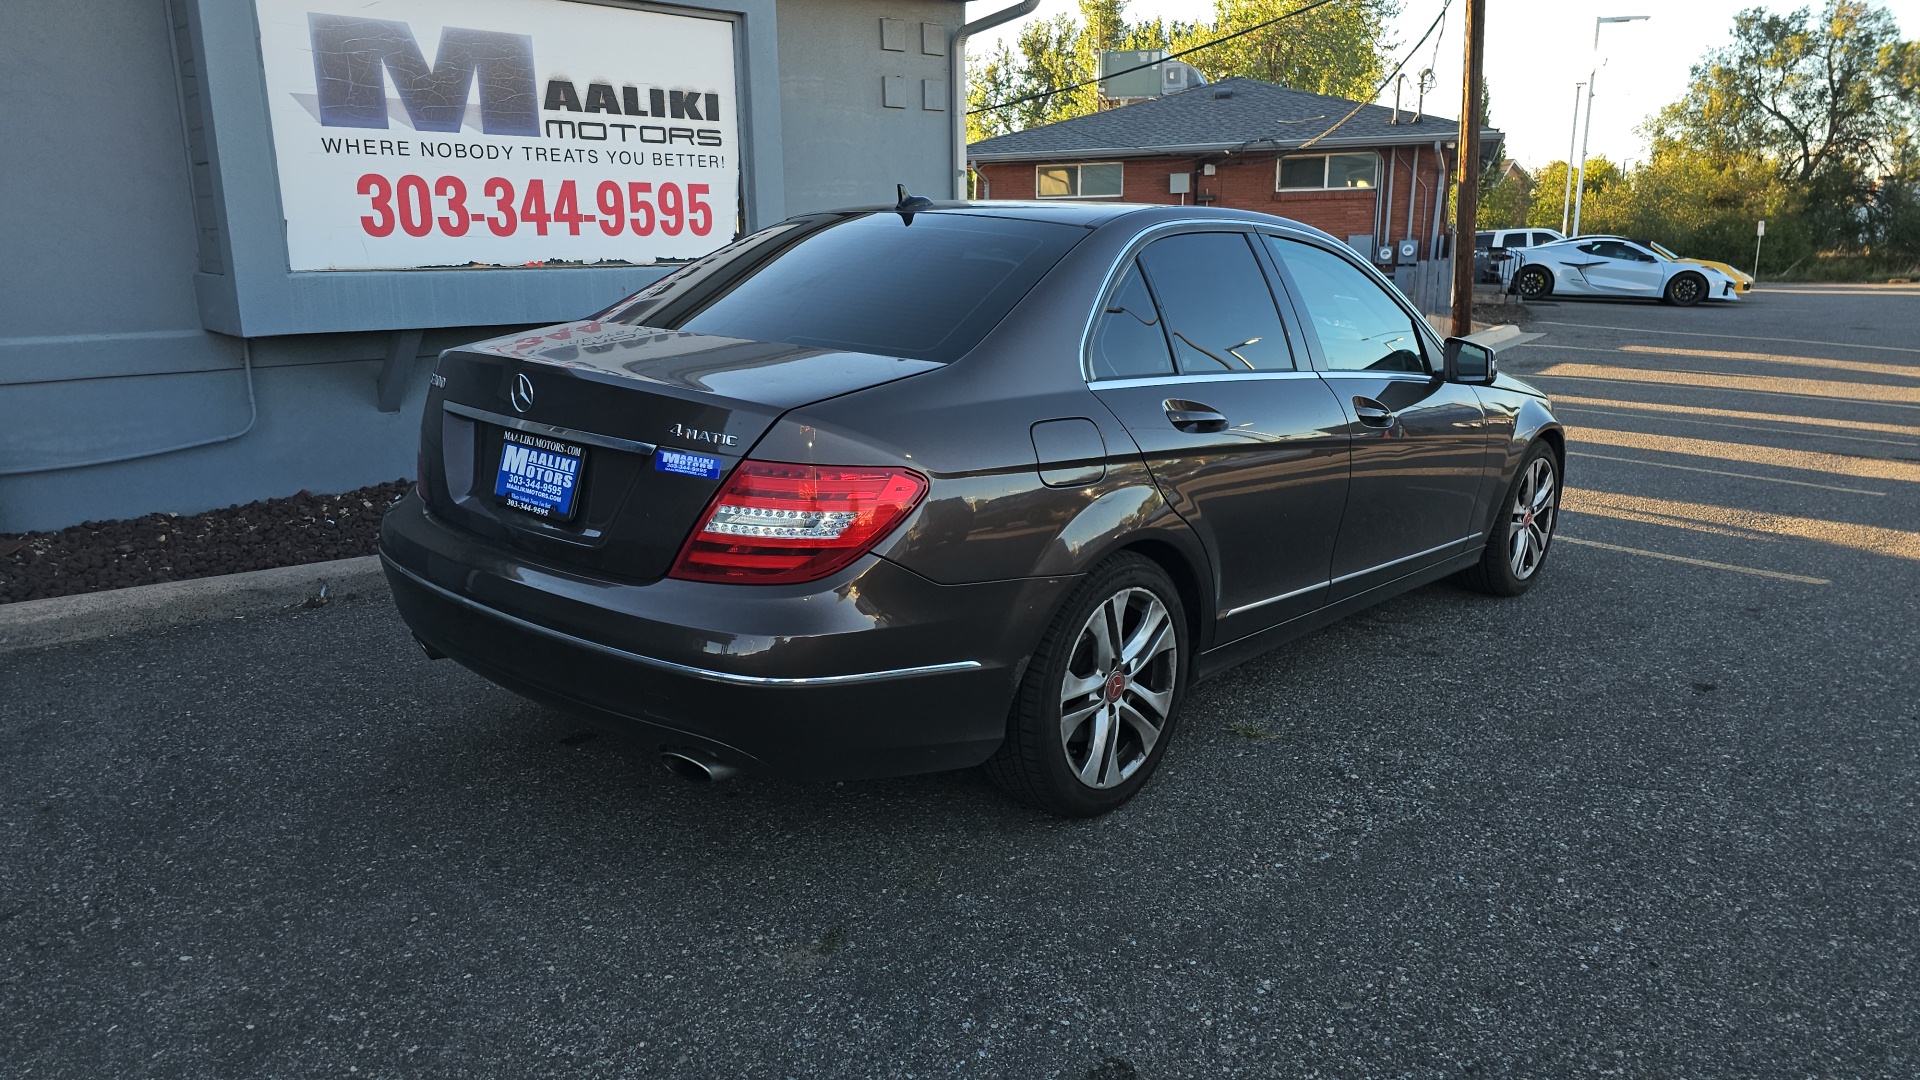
<point>1468,362</point>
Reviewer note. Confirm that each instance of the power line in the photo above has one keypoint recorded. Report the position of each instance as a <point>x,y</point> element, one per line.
<point>1010,102</point>
<point>1391,75</point>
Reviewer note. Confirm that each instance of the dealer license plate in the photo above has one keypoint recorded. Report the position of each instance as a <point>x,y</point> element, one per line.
<point>540,476</point>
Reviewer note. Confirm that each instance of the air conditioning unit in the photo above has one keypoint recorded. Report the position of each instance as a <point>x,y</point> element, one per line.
<point>1175,75</point>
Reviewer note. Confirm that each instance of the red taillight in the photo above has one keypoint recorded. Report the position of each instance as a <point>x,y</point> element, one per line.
<point>776,523</point>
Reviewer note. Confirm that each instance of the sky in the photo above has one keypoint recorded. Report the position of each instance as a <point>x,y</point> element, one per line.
<point>1536,51</point>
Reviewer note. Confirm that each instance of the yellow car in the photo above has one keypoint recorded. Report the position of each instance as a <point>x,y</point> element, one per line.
<point>1742,281</point>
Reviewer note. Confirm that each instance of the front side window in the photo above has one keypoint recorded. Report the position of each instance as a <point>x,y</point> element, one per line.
<point>1542,238</point>
<point>928,289</point>
<point>1614,249</point>
<point>1319,172</point>
<point>1128,340</point>
<point>1094,181</point>
<point>1361,327</point>
<point>1219,311</point>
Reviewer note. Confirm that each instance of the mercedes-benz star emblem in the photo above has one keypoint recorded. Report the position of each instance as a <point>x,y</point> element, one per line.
<point>522,393</point>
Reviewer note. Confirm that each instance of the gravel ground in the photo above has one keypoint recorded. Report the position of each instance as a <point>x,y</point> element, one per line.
<point>303,528</point>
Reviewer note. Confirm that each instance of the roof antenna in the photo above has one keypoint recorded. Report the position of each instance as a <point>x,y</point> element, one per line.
<point>909,204</point>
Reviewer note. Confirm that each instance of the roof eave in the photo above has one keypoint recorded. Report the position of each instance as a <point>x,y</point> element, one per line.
<point>1424,138</point>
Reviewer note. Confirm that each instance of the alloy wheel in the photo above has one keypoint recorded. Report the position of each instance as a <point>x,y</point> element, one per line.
<point>1535,505</point>
<point>1117,694</point>
<point>1686,291</point>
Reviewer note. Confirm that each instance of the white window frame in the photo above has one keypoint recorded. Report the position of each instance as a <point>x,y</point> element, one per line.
<point>1076,166</point>
<point>1375,186</point>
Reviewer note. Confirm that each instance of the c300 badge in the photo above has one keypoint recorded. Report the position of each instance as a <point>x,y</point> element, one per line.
<point>696,435</point>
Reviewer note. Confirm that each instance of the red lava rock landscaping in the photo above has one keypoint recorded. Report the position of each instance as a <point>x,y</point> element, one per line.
<point>97,555</point>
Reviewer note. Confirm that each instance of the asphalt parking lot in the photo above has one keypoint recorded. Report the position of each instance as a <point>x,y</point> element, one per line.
<point>1656,818</point>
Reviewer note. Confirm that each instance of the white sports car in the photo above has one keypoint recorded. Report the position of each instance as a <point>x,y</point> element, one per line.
<point>1610,266</point>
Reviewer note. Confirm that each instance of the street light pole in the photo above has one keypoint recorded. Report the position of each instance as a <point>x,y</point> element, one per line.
<point>1580,189</point>
<point>1566,200</point>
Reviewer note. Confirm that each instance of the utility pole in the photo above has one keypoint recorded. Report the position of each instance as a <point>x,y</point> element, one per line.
<point>1468,208</point>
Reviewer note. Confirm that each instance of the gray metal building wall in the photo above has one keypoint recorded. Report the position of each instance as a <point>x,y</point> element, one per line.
<point>102,350</point>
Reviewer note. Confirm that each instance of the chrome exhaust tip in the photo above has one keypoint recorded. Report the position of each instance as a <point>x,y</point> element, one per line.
<point>694,769</point>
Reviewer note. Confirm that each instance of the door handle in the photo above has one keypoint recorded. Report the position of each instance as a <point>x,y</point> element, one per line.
<point>1194,418</point>
<point>1372,413</point>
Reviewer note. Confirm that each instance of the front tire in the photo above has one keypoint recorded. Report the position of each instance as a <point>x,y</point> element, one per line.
<point>1533,282</point>
<point>1097,706</point>
<point>1517,548</point>
<point>1686,290</point>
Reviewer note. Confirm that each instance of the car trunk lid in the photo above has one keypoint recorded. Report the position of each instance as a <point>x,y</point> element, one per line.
<point>616,436</point>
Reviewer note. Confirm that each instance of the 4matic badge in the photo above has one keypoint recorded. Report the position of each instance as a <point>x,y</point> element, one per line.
<point>695,434</point>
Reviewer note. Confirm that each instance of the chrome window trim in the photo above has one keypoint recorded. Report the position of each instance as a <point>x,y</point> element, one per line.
<point>1205,377</point>
<point>1132,248</point>
<point>683,669</point>
<point>1363,373</point>
<point>632,446</point>
<point>1421,326</point>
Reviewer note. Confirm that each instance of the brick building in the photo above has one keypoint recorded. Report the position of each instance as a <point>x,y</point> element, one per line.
<point>1374,180</point>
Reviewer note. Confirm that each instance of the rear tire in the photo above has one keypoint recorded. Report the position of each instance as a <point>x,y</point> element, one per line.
<point>1533,282</point>
<point>1686,290</point>
<point>1517,548</point>
<point>1099,700</point>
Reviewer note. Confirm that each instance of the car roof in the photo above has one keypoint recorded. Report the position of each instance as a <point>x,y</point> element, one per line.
<point>1093,215</point>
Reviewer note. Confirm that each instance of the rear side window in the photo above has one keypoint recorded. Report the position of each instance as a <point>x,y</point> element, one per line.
<point>925,290</point>
<point>1128,341</point>
<point>1219,311</point>
<point>1360,327</point>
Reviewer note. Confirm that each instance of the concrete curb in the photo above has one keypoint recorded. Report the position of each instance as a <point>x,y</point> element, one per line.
<point>1502,336</point>
<point>63,620</point>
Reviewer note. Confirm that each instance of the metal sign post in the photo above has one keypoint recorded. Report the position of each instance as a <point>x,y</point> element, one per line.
<point>1759,235</point>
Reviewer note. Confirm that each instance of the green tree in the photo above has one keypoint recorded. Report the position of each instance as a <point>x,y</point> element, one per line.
<point>1337,49</point>
<point>1813,94</point>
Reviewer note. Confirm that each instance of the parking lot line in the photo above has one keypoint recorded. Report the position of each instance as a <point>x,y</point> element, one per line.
<point>1863,367</point>
<point>1690,561</point>
<point>1872,539</point>
<point>1741,427</point>
<point>1730,337</point>
<point>1804,388</point>
<point>1863,468</point>
<point>1615,405</point>
<point>1722,472</point>
<point>1858,367</point>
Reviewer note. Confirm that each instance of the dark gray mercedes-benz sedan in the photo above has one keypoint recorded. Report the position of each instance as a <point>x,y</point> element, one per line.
<point>941,485</point>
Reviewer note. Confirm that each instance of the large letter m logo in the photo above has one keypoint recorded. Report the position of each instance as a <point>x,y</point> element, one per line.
<point>351,57</point>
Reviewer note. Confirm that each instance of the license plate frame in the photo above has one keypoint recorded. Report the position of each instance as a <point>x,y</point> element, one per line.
<point>539,476</point>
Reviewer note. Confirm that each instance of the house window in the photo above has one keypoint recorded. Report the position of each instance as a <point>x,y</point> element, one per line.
<point>1319,172</point>
<point>1099,181</point>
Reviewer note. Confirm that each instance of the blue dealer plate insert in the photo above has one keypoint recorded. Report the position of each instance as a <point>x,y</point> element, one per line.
<point>540,476</point>
<point>687,464</point>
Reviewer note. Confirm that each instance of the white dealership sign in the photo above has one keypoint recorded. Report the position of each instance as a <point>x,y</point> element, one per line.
<point>441,133</point>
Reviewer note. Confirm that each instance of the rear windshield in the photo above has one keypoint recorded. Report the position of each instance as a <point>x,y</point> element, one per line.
<point>925,290</point>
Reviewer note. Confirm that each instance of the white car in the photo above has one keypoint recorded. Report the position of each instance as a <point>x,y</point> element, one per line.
<point>1610,266</point>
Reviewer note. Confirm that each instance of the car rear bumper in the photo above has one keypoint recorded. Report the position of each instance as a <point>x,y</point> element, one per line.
<point>876,671</point>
